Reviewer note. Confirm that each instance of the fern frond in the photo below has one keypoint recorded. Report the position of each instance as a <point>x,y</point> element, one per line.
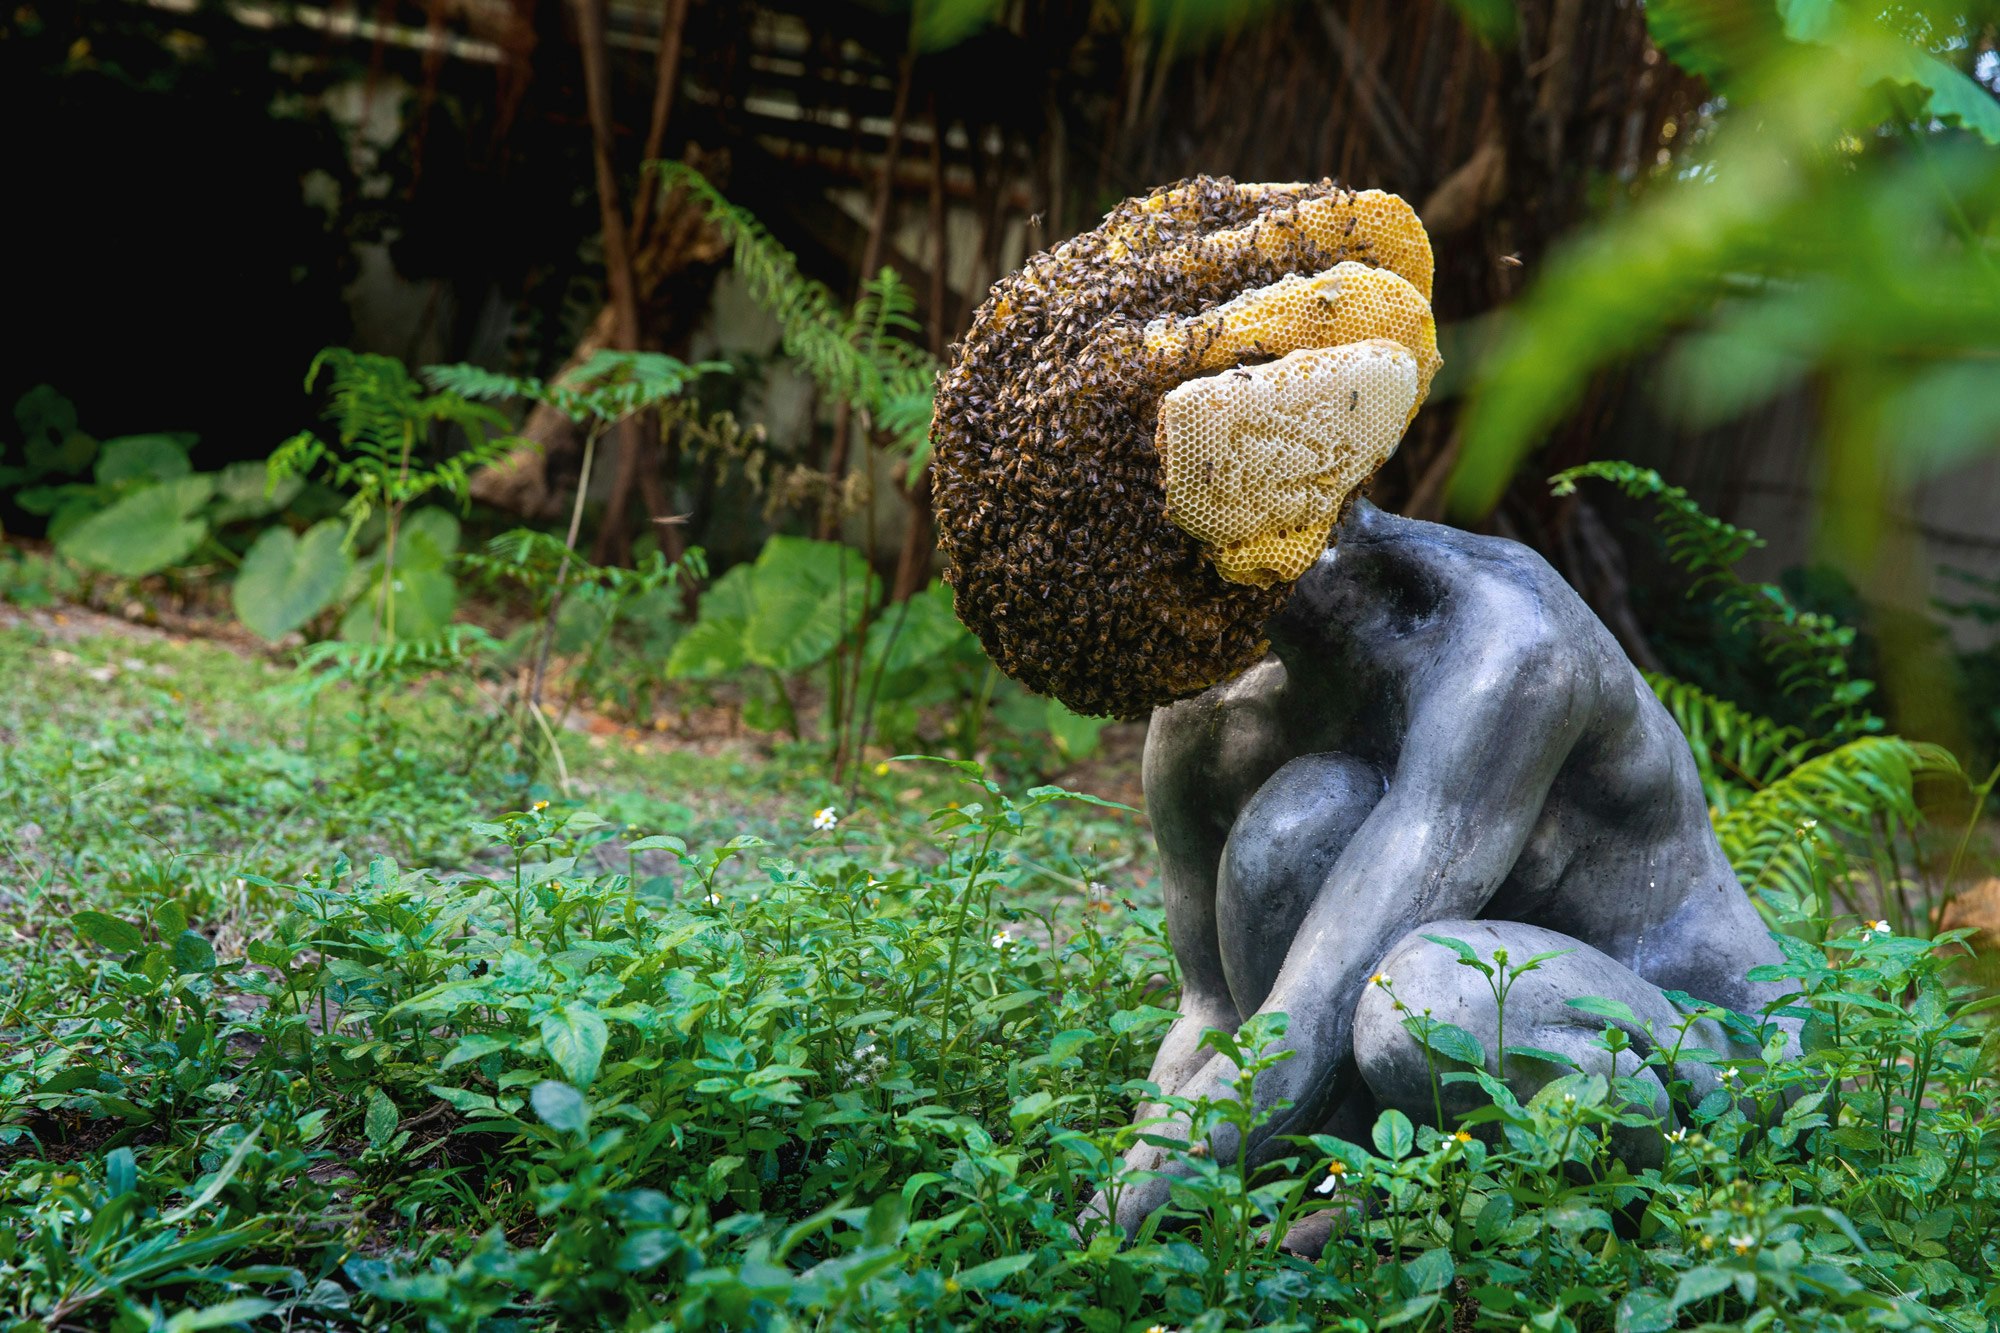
<point>610,386</point>
<point>454,648</point>
<point>1809,652</point>
<point>470,381</point>
<point>1852,797</point>
<point>857,355</point>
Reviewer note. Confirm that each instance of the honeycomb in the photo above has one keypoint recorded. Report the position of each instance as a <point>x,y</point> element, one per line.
<point>1150,430</point>
<point>1258,462</point>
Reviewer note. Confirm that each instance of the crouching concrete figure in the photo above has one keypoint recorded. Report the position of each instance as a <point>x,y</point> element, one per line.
<point>1446,742</point>
<point>1143,448</point>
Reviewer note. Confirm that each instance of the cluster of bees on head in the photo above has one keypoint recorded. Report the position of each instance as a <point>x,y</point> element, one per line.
<point>1151,430</point>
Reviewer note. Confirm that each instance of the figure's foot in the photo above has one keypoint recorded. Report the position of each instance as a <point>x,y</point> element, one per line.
<point>1308,1239</point>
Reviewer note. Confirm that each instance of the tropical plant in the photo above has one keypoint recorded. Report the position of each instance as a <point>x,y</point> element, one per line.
<point>1832,223</point>
<point>386,455</point>
<point>1803,816</point>
<point>131,506</point>
<point>799,607</point>
<point>858,355</point>
<point>605,390</point>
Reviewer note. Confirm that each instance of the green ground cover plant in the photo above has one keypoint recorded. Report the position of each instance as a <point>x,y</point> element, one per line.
<point>637,1061</point>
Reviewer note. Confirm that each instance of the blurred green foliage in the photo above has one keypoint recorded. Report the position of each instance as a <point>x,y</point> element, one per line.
<point>1832,222</point>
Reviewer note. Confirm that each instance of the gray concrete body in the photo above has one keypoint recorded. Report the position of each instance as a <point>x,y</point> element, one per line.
<point>1445,741</point>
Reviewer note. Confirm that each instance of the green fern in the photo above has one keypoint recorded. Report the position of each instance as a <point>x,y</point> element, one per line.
<point>860,355</point>
<point>608,387</point>
<point>1737,752</point>
<point>1799,816</point>
<point>454,648</point>
<point>1860,797</point>
<point>1809,652</point>
<point>383,419</point>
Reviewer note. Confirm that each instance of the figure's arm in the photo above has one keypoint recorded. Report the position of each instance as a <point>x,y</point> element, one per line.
<point>1485,742</point>
<point>1180,795</point>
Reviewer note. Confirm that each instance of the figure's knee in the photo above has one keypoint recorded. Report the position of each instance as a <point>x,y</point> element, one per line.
<point>1422,981</point>
<point>1275,863</point>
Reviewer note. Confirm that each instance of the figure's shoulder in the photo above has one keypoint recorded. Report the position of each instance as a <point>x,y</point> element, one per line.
<point>1451,553</point>
<point>1506,609</point>
<point>1197,740</point>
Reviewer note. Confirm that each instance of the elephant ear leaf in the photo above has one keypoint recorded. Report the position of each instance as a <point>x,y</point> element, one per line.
<point>288,579</point>
<point>144,533</point>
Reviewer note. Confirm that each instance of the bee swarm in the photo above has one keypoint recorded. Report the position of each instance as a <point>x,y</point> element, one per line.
<point>1151,429</point>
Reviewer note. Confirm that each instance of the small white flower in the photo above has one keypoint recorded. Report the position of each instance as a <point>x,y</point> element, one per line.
<point>1743,1244</point>
<point>1334,1171</point>
<point>1874,928</point>
<point>1677,1135</point>
<point>1729,1075</point>
<point>825,818</point>
<point>714,900</point>
<point>1001,940</point>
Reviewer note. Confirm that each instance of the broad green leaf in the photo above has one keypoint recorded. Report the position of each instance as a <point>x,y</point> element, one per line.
<point>1398,1315</point>
<point>427,536</point>
<point>1432,1270</point>
<point>575,1036</point>
<point>286,580</point>
<point>192,953</point>
<point>142,458</point>
<point>382,1118</point>
<point>110,931</point>
<point>243,490</point>
<point>713,646</point>
<point>145,532</point>
<point>561,1107</point>
<point>1698,1284</point>
<point>170,919</point>
<point>424,598</point>
<point>1616,1010</point>
<point>1394,1135</point>
<point>1717,39</point>
<point>1448,1040</point>
<point>806,596</point>
<point>993,1272</point>
<point>915,632</point>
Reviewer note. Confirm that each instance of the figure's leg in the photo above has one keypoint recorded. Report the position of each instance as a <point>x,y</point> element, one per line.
<point>1280,849</point>
<point>1279,853</point>
<point>1424,976</point>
